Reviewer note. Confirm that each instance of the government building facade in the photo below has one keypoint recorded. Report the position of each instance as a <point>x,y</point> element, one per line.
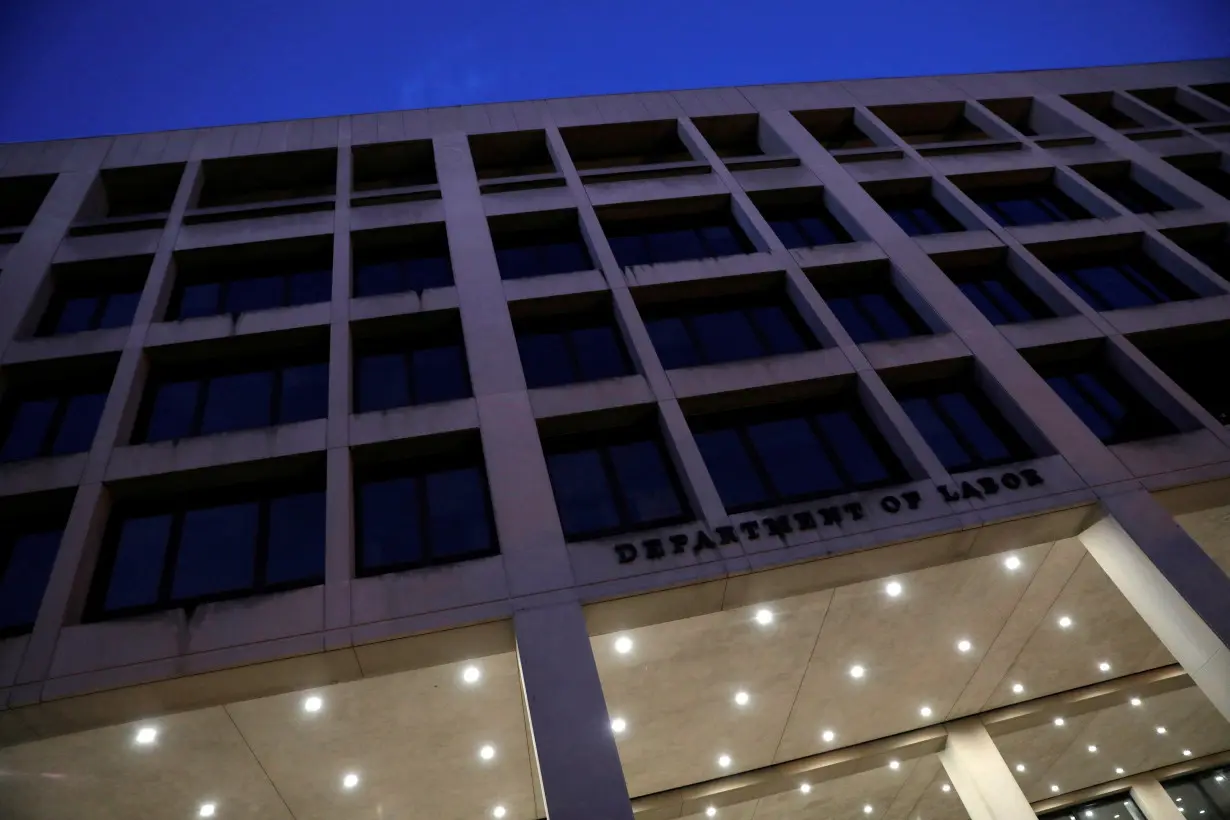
<point>840,450</point>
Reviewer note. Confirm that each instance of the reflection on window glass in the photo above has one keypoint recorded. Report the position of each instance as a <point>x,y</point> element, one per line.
<point>1106,403</point>
<point>34,425</point>
<point>26,558</point>
<point>726,330</point>
<point>962,426</point>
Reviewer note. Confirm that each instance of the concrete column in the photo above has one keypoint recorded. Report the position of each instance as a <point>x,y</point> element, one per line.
<point>582,777</point>
<point>981,776</point>
<point>1149,795</point>
<point>1179,591</point>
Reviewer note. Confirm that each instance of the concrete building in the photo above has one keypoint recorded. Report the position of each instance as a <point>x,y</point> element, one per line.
<point>833,450</point>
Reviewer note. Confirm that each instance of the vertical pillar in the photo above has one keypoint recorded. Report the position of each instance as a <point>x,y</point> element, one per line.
<point>582,777</point>
<point>1173,584</point>
<point>1152,799</point>
<point>981,776</point>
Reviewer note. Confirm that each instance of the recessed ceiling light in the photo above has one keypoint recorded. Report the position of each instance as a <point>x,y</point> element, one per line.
<point>1054,787</point>
<point>1093,749</point>
<point>1135,701</point>
<point>857,671</point>
<point>1018,688</point>
<point>1020,767</point>
<point>312,703</point>
<point>1065,622</point>
<point>764,617</point>
<point>1012,562</point>
<point>805,787</point>
<point>1059,721</point>
<point>724,761</point>
<point>867,809</point>
<point>1119,770</point>
<point>894,764</point>
<point>828,736</point>
<point>146,735</point>
<point>487,752</point>
<point>207,810</point>
<point>618,725</point>
<point>925,711</point>
<point>741,698</point>
<point>1182,809</point>
<point>1220,778</point>
<point>471,674</point>
<point>1178,800</point>
<point>1161,730</point>
<point>1089,812</point>
<point>1187,752</point>
<point>1104,666</point>
<point>498,811</point>
<point>964,645</point>
<point>893,589</point>
<point>623,644</point>
<point>710,812</point>
<point>350,780</point>
<point>945,788</point>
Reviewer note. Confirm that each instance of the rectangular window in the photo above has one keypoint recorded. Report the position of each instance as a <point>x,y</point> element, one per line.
<point>422,366</point>
<point>1123,280</point>
<point>1212,251</point>
<point>94,295</point>
<point>1131,194</point>
<point>235,279</point>
<point>570,349</point>
<point>625,144</point>
<point>186,401</point>
<point>1166,100</point>
<point>834,128</point>
<point>1202,796</point>
<point>237,181</point>
<point>675,238</point>
<point>1105,401</point>
<point>926,123</point>
<point>27,552</point>
<point>613,482</point>
<point>401,260</point>
<point>1211,177</point>
<point>769,457</point>
<point>1187,363</point>
<point>729,329</point>
<point>435,511</point>
<point>217,544</point>
<point>45,420</point>
<point>961,425</point>
<point>549,244</point>
<point>1020,205</point>
<point>1001,296</point>
<point>919,214</point>
<point>799,217</point>
<point>871,309</point>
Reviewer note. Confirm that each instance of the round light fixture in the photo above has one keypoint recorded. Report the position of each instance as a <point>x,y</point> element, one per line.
<point>1054,788</point>
<point>742,698</point>
<point>471,674</point>
<point>312,703</point>
<point>892,589</point>
<point>623,644</point>
<point>207,810</point>
<point>894,764</point>
<point>925,711</point>
<point>1161,730</point>
<point>1119,770</point>
<point>710,812</point>
<point>1135,701</point>
<point>764,617</point>
<point>724,761</point>
<point>146,735</point>
<point>1018,688</point>
<point>964,645</point>
<point>805,788</point>
<point>498,811</point>
<point>1012,562</point>
<point>1059,721</point>
<point>1093,749</point>
<point>1020,767</point>
<point>1065,622</point>
<point>945,788</point>
<point>618,725</point>
<point>867,809</point>
<point>350,780</point>
<point>828,735</point>
<point>487,752</point>
<point>1104,666</point>
<point>1187,752</point>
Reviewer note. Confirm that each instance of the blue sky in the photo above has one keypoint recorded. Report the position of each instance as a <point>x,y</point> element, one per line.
<point>86,67</point>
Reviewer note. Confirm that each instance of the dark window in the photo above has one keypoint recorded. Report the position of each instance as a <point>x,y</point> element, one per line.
<point>1166,101</point>
<point>1211,177</point>
<point>1202,796</point>
<point>1211,251</point>
<point>1102,106</point>
<point>1028,205</point>
<point>779,456</point>
<point>511,154</point>
<point>964,429</point>
<point>419,368</point>
<point>384,165</point>
<point>235,181</point>
<point>1131,194</point>
<point>94,295</point>
<point>919,214</point>
<point>211,295</point>
<point>27,553</point>
<point>541,251</point>
<point>385,265</point>
<point>1123,280</point>
<point>613,482</point>
<point>185,401</point>
<point>220,544</point>
<point>21,197</point>
<point>1117,807</point>
<point>43,420</point>
<point>675,238</point>
<point>570,349</point>
<point>1187,363</point>
<point>726,330</point>
<point>834,128</point>
<point>803,225</point>
<point>432,512</point>
<point>625,144</point>
<point>871,309</point>
<point>999,294</point>
<point>1104,401</point>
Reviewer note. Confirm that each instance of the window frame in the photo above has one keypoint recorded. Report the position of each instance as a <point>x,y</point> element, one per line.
<point>775,214</point>
<point>846,402</point>
<point>1149,422</point>
<point>224,285</point>
<point>904,207</point>
<point>405,346</point>
<point>854,291</point>
<point>419,468</point>
<point>1151,277</point>
<point>61,296</point>
<point>365,257</point>
<point>539,239</point>
<point>17,397</point>
<point>262,494</point>
<point>566,326</point>
<point>687,311</point>
<point>10,533</point>
<point>627,230</point>
<point>601,442</point>
<point>977,277</point>
<point>1132,195</point>
<point>929,391</point>
<point>1045,196</point>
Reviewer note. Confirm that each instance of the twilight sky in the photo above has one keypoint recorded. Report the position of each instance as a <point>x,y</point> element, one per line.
<point>72,68</point>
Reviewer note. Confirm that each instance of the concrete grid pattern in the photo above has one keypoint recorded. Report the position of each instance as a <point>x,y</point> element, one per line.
<point>537,574</point>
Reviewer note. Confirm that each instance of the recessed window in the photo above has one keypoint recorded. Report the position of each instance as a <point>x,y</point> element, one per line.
<point>834,128</point>
<point>400,260</point>
<point>1117,182</point>
<point>1104,809</point>
<point>1119,279</point>
<point>241,278</point>
<point>961,425</point>
<point>926,123</point>
<point>53,412</point>
<point>674,232</point>
<point>613,481</point>
<point>1039,203</point>
<point>212,544</point>
<point>868,304</point>
<point>1166,100</point>
<point>236,181</point>
<point>30,530</point>
<point>1205,169</point>
<point>1102,105</point>
<point>1016,111</point>
<point>624,144</point>
<point>398,364</point>
<point>800,218</point>
<point>393,165</point>
<point>763,458</point>
<point>1103,400</point>
<point>1203,795</point>
<point>1185,355</point>
<point>511,154</point>
<point>731,136</point>
<point>21,197</point>
<point>139,190</point>
<point>726,329</point>
<point>540,243</point>
<point>1210,247</point>
<point>572,347</point>
<point>998,292</point>
<point>186,398</point>
<point>428,510</point>
<point>94,295</point>
<point>914,209</point>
